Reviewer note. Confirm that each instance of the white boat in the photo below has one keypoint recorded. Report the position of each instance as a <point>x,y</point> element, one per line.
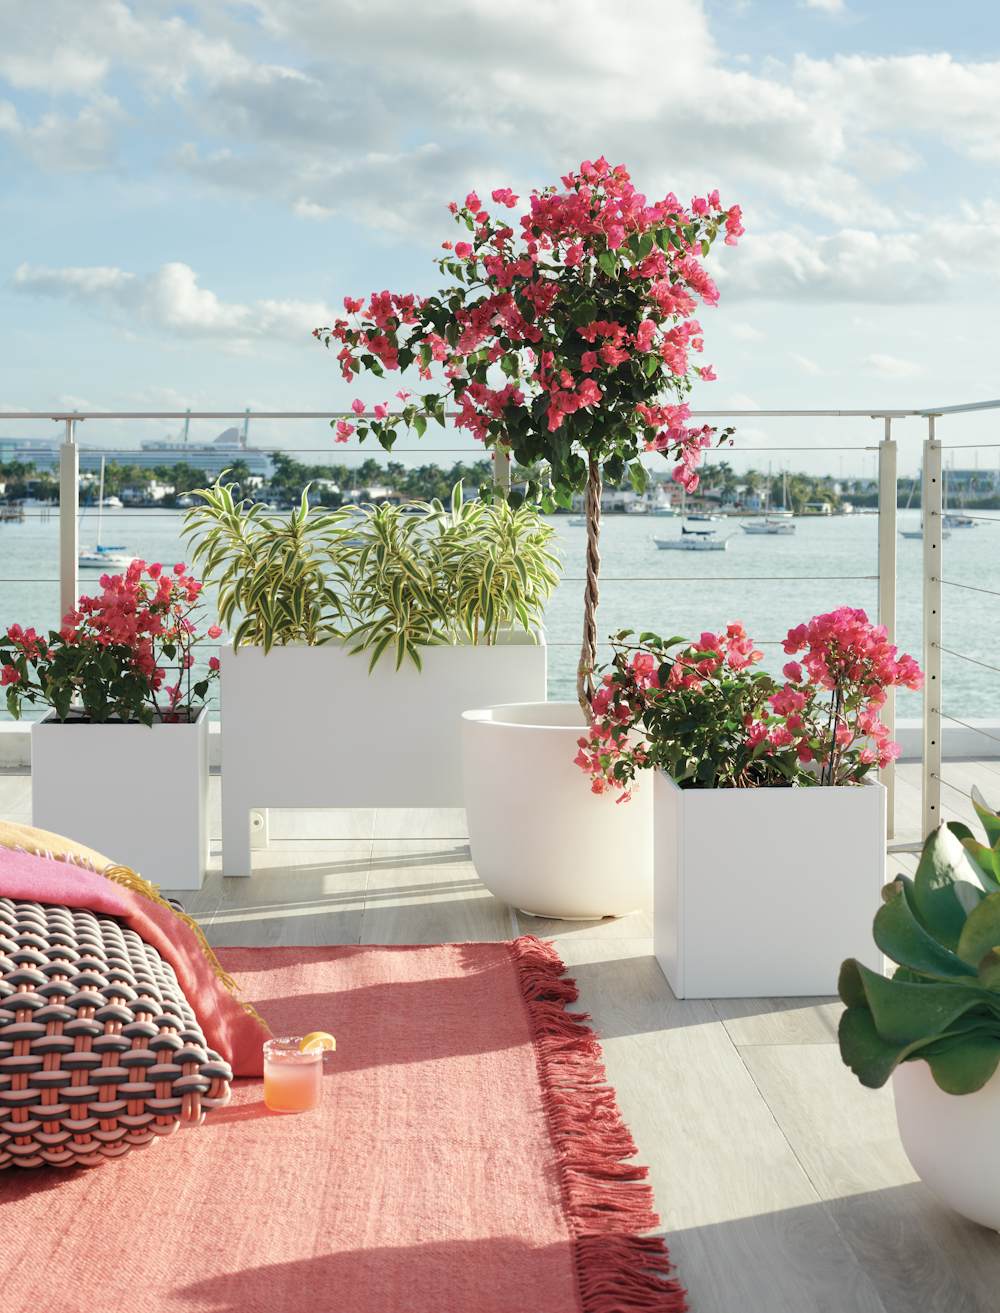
<point>959,522</point>
<point>662,509</point>
<point>919,533</point>
<point>692,541</point>
<point>770,525</point>
<point>106,556</point>
<point>103,558</point>
<point>703,517</point>
<point>578,521</point>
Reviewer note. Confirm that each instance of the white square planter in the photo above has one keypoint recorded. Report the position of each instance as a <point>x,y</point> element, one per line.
<point>136,793</point>
<point>310,727</point>
<point>764,892</point>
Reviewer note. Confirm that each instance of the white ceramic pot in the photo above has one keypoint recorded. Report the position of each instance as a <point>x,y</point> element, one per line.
<point>764,892</point>
<point>136,793</point>
<point>540,839</point>
<point>310,727</point>
<point>951,1140</point>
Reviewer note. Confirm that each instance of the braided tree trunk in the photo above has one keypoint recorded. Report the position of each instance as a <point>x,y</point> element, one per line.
<point>591,597</point>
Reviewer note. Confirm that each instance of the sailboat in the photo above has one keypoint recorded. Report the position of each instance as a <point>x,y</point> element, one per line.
<point>692,540</point>
<point>772,523</point>
<point>103,556</point>
<point>919,533</point>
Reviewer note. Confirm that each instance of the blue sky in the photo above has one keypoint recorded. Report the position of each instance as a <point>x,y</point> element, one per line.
<point>190,188</point>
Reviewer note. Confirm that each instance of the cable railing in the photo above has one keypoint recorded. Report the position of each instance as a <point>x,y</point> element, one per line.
<point>884,577</point>
<point>936,717</point>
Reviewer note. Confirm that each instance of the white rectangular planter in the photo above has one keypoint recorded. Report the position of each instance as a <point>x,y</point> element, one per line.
<point>138,794</point>
<point>764,892</point>
<point>310,727</point>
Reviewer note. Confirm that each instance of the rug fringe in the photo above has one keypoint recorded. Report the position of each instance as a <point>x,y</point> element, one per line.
<point>605,1200</point>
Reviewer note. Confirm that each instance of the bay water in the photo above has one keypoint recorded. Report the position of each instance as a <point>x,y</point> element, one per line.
<point>768,583</point>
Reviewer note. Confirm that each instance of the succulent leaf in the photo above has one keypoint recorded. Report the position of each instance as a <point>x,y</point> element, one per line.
<point>942,1003</point>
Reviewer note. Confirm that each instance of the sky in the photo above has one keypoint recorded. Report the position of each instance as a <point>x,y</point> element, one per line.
<point>189,189</point>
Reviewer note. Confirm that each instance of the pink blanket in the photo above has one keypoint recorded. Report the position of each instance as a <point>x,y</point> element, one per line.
<point>236,1034</point>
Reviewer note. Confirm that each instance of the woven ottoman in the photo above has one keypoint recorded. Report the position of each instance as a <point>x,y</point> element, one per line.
<point>100,1051</point>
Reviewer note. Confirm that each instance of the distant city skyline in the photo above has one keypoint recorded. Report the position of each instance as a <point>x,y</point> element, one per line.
<point>190,188</point>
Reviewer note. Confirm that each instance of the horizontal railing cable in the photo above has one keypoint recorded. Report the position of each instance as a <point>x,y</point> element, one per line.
<point>972,660</point>
<point>971,588</point>
<point>976,729</point>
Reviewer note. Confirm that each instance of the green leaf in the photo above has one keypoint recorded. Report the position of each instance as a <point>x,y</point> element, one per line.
<point>900,936</point>
<point>943,864</point>
<point>608,263</point>
<point>989,818</point>
<point>871,1058</point>
<point>905,1013</point>
<point>966,1064</point>
<point>981,931</point>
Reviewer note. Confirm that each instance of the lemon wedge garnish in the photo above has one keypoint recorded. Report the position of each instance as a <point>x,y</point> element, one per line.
<point>318,1041</point>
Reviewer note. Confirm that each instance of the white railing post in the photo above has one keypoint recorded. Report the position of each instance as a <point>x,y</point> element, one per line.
<point>69,523</point>
<point>501,470</point>
<point>887,497</point>
<point>932,512</point>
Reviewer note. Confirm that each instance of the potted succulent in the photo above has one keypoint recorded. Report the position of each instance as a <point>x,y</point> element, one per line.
<point>563,339</point>
<point>934,1026</point>
<point>358,640</point>
<point>126,733</point>
<point>749,770</point>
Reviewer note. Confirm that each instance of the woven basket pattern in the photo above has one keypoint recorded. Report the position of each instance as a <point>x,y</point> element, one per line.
<point>100,1051</point>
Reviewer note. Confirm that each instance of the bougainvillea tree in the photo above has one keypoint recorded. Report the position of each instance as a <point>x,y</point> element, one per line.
<point>564,340</point>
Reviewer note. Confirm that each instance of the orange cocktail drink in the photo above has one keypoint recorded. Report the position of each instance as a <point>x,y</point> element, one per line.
<point>293,1077</point>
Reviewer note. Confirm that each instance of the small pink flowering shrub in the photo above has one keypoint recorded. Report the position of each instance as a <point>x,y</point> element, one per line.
<point>703,713</point>
<point>125,655</point>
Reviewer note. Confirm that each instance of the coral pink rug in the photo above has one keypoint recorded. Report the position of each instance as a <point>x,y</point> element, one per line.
<point>467,1158</point>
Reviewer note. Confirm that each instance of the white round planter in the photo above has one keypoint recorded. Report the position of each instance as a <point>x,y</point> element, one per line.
<point>540,839</point>
<point>951,1140</point>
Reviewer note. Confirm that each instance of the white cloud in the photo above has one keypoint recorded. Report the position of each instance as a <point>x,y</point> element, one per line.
<point>892,366</point>
<point>744,332</point>
<point>65,143</point>
<point>826,6</point>
<point>304,209</point>
<point>807,365</point>
<point>171,301</point>
<point>344,121</point>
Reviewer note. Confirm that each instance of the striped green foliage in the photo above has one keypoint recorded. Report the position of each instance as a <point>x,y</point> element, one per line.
<point>425,574</point>
<point>280,578</point>
<point>386,579</point>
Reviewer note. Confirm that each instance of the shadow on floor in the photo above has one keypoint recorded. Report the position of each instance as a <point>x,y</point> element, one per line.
<point>494,1275</point>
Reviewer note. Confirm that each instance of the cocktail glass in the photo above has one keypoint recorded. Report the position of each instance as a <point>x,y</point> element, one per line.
<point>293,1080</point>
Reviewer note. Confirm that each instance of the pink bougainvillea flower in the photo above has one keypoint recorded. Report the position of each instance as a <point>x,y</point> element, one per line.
<point>214,631</point>
<point>358,406</point>
<point>343,430</point>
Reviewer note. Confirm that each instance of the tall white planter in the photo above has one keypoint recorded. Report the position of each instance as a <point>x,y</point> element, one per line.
<point>764,892</point>
<point>540,839</point>
<point>136,793</point>
<point>951,1140</point>
<point>310,727</point>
